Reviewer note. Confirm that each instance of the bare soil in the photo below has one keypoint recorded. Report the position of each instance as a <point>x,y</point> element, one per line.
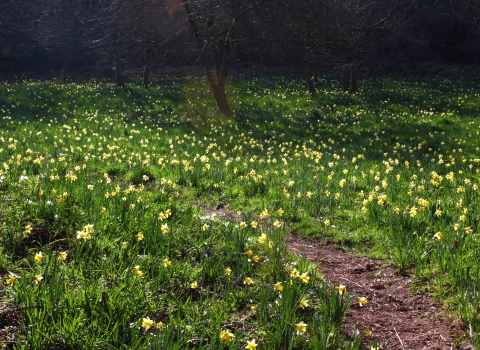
<point>397,318</point>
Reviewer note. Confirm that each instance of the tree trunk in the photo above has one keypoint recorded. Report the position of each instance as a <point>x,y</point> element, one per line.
<point>145,76</point>
<point>345,80</point>
<point>221,65</point>
<point>118,72</point>
<point>219,94</point>
<point>310,79</point>
<point>354,89</point>
<point>311,87</point>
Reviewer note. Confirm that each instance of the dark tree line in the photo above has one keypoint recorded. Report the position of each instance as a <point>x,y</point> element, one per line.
<point>123,37</point>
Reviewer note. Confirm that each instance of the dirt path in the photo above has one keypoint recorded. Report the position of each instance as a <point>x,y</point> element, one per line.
<point>397,318</point>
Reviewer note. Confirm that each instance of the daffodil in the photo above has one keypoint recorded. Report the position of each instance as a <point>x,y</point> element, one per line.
<point>248,281</point>
<point>147,323</point>
<point>139,236</point>
<point>164,228</point>
<point>303,303</point>
<point>362,301</point>
<point>278,286</point>
<point>11,279</point>
<point>226,335</point>
<point>136,271</point>
<point>38,256</point>
<point>37,279</point>
<point>263,238</point>
<point>194,285</point>
<point>159,325</point>
<point>341,289</point>
<point>83,235</point>
<point>166,262</point>
<point>251,344</point>
<point>301,327</point>
<point>305,277</point>
<point>62,255</point>
<point>438,235</point>
<point>227,271</point>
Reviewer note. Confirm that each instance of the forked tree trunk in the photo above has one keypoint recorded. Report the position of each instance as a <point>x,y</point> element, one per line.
<point>119,72</point>
<point>221,63</point>
<point>218,90</point>
<point>145,76</point>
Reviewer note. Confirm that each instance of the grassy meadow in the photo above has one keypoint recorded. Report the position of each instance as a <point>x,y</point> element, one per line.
<point>144,219</point>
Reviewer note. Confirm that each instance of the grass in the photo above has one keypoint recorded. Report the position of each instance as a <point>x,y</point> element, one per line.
<point>123,181</point>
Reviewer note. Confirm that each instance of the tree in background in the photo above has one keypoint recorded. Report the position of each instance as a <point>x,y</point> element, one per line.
<point>217,28</point>
<point>342,32</point>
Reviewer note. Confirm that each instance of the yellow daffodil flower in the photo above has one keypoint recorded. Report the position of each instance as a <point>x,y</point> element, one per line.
<point>136,271</point>
<point>11,279</point>
<point>278,286</point>
<point>38,279</point>
<point>303,303</point>
<point>147,323</point>
<point>305,277</point>
<point>301,327</point>
<point>362,301</point>
<point>62,255</point>
<point>226,335</point>
<point>248,281</point>
<point>251,344</point>
<point>263,238</point>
